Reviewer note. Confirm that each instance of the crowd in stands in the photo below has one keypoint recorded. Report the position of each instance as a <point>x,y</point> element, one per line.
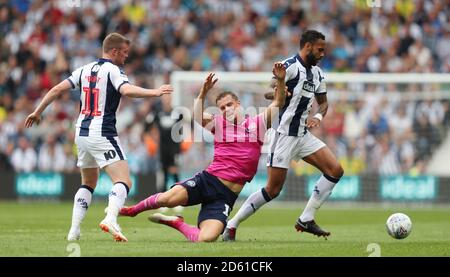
<point>41,42</point>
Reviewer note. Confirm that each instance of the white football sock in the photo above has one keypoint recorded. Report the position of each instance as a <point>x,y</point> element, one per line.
<point>116,201</point>
<point>81,203</point>
<point>250,206</point>
<point>322,191</point>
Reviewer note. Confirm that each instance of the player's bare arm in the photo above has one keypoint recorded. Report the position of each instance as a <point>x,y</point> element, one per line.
<point>139,92</point>
<point>279,71</point>
<point>199,116</point>
<point>271,95</point>
<point>51,95</point>
<point>321,112</point>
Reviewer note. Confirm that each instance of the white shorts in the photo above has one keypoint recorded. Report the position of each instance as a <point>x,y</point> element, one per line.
<point>285,148</point>
<point>98,151</point>
<point>268,138</point>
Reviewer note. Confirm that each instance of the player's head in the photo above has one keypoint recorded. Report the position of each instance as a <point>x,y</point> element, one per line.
<point>116,47</point>
<point>229,105</point>
<point>312,43</point>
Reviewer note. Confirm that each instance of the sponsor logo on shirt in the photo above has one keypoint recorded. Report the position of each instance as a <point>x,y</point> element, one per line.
<point>309,87</point>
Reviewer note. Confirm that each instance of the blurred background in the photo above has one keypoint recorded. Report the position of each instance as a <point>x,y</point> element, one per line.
<point>391,138</point>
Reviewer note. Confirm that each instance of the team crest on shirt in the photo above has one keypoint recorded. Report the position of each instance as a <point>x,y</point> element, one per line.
<point>190,183</point>
<point>251,128</point>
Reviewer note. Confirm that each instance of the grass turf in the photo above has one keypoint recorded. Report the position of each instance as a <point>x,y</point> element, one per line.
<point>40,229</point>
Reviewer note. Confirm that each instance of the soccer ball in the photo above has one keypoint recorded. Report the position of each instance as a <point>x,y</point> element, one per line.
<point>398,226</point>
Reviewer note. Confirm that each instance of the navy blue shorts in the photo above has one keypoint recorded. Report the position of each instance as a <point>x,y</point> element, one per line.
<point>217,200</point>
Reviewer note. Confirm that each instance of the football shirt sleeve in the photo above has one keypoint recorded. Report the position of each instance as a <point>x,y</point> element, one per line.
<point>322,86</point>
<point>118,77</point>
<point>74,78</point>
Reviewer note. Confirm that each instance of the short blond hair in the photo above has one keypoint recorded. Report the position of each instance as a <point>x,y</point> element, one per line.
<point>114,40</point>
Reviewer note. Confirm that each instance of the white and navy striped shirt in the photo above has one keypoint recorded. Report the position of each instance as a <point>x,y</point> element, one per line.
<point>99,83</point>
<point>303,82</point>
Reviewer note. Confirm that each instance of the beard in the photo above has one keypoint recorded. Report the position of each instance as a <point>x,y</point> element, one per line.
<point>310,59</point>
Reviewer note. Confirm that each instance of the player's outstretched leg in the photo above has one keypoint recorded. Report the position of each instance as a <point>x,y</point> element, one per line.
<point>176,196</point>
<point>322,191</point>
<point>81,203</point>
<point>177,222</point>
<point>276,179</point>
<point>326,162</point>
<point>255,201</point>
<point>149,203</point>
<point>117,198</point>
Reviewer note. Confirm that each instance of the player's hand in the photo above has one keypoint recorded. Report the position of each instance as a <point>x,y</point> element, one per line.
<point>288,93</point>
<point>279,71</point>
<point>165,89</point>
<point>209,83</point>
<point>312,122</point>
<point>32,118</point>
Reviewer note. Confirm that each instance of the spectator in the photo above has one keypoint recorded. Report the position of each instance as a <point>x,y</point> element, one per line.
<point>385,157</point>
<point>51,155</point>
<point>400,122</point>
<point>424,131</point>
<point>353,162</point>
<point>169,146</point>
<point>24,156</point>
<point>377,125</point>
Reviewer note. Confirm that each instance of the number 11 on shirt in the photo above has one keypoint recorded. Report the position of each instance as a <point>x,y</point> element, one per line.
<point>87,101</point>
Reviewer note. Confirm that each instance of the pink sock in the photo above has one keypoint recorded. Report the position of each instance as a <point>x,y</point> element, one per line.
<point>149,203</point>
<point>190,232</point>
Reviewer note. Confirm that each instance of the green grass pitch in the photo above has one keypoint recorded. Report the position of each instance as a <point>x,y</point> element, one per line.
<point>40,229</point>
